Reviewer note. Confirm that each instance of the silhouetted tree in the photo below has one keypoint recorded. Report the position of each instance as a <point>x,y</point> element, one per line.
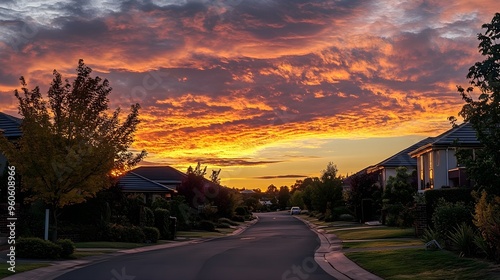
<point>483,112</point>
<point>70,144</point>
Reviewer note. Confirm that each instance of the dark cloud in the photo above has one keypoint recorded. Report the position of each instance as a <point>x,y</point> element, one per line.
<point>280,176</point>
<point>231,161</point>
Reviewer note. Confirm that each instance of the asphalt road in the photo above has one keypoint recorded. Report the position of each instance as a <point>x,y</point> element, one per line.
<point>277,247</point>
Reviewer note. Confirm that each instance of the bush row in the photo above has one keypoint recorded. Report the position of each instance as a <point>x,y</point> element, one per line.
<point>37,248</point>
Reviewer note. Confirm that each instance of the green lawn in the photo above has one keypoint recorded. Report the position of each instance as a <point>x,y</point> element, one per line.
<point>114,245</point>
<point>382,243</point>
<point>422,264</point>
<point>19,268</point>
<point>205,234</point>
<point>373,233</point>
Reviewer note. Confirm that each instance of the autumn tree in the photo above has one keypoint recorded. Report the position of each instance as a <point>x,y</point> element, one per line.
<point>483,111</point>
<point>70,143</point>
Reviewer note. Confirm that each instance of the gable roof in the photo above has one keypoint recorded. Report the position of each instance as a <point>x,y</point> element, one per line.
<point>402,158</point>
<point>165,175</point>
<point>10,125</point>
<point>132,182</point>
<point>464,134</point>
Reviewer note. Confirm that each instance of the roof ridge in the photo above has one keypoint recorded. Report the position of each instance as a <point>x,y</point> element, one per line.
<point>12,118</point>
<point>151,181</point>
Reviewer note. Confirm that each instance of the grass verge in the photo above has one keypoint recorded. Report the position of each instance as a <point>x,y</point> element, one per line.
<point>424,265</point>
<point>114,245</point>
<point>19,268</point>
<point>383,243</point>
<point>373,233</point>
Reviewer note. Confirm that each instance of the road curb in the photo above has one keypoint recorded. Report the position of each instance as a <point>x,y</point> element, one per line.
<point>58,268</point>
<point>331,259</point>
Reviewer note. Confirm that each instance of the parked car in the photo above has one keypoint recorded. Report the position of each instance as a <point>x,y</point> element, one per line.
<point>295,210</point>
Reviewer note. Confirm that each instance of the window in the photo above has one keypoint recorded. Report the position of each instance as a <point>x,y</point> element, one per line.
<point>431,171</point>
<point>422,180</point>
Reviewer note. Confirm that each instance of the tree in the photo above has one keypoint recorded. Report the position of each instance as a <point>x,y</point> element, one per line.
<point>327,194</point>
<point>283,197</point>
<point>70,144</point>
<point>194,187</point>
<point>398,198</point>
<point>297,199</point>
<point>483,112</point>
<point>362,186</point>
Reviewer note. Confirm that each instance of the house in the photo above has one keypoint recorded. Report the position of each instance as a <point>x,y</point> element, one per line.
<point>388,166</point>
<point>437,165</point>
<point>10,127</point>
<point>152,181</point>
<point>134,183</point>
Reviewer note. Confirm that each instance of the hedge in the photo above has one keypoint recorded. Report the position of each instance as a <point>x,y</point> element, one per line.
<point>451,195</point>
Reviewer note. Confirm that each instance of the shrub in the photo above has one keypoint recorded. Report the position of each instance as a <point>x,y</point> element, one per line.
<point>151,234</point>
<point>462,240</point>
<point>122,233</point>
<point>67,247</point>
<point>227,221</point>
<point>161,222</point>
<point>398,215</point>
<point>449,215</point>
<point>241,211</point>
<point>237,218</point>
<point>206,225</point>
<point>37,248</point>
<point>432,198</point>
<point>223,225</point>
<point>149,217</point>
<point>346,217</point>
<point>487,219</point>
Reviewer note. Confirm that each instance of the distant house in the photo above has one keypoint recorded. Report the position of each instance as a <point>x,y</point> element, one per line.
<point>387,167</point>
<point>437,165</point>
<point>10,127</point>
<point>152,181</point>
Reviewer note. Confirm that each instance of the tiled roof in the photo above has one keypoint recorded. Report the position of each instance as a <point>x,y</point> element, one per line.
<point>10,125</point>
<point>161,174</point>
<point>132,182</point>
<point>401,158</point>
<point>464,135</point>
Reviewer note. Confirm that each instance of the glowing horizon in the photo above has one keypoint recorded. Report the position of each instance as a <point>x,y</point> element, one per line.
<point>269,91</point>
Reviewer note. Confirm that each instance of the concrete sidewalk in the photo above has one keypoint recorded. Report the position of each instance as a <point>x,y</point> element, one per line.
<point>331,259</point>
<point>58,268</point>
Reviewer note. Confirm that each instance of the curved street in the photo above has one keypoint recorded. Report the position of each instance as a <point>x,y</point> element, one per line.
<point>278,246</point>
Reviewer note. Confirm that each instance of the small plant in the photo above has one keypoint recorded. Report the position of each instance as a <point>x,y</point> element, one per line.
<point>462,240</point>
<point>429,234</point>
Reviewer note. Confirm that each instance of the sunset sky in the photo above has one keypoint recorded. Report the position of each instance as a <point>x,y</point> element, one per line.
<point>269,91</point>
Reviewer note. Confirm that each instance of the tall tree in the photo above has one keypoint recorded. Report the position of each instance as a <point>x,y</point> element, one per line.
<point>327,194</point>
<point>283,197</point>
<point>71,144</point>
<point>483,112</point>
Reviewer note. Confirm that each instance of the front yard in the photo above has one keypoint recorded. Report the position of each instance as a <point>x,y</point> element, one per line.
<point>394,253</point>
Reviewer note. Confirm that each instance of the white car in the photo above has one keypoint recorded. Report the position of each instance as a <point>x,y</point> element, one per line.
<point>295,210</point>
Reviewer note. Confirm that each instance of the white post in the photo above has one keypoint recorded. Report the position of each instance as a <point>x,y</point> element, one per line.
<point>46,224</point>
